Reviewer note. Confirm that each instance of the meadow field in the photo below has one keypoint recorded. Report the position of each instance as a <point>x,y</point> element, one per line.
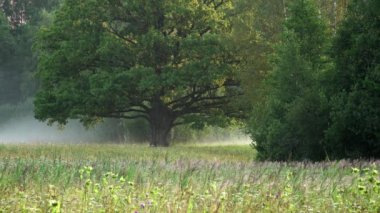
<point>192,178</point>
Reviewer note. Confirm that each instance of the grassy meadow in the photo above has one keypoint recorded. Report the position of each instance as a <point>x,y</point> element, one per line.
<point>191,178</point>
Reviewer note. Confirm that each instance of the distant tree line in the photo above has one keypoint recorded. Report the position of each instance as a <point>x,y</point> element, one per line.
<point>19,23</point>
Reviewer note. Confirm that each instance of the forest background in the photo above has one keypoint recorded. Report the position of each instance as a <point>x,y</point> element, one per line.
<point>308,72</point>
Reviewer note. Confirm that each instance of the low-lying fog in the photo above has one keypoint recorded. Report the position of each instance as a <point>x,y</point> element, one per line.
<point>17,125</point>
<point>29,130</point>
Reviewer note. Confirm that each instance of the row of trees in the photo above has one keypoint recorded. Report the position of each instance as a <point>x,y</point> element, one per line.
<point>321,95</point>
<point>302,74</point>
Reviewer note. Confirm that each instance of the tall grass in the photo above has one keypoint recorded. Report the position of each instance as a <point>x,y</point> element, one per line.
<point>133,178</point>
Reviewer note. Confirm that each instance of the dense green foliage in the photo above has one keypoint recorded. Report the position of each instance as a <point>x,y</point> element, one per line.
<point>25,12</point>
<point>19,22</point>
<point>305,73</point>
<point>321,102</point>
<point>290,126</point>
<point>112,178</point>
<point>9,77</point>
<point>6,39</point>
<point>168,62</point>
<point>354,130</point>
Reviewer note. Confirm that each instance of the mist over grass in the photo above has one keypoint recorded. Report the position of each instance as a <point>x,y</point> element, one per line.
<point>18,125</point>
<point>29,130</point>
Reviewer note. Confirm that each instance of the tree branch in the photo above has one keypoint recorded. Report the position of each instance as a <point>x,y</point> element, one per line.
<point>110,30</point>
<point>130,110</point>
<point>111,115</point>
<point>192,95</point>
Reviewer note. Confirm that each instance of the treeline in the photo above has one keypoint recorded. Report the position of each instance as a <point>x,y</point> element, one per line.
<point>319,98</point>
<point>309,69</point>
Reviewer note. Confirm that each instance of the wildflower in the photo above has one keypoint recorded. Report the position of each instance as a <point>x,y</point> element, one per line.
<point>355,170</point>
<point>88,182</point>
<point>142,205</point>
<point>223,195</point>
<point>371,179</point>
<point>375,172</point>
<point>88,168</point>
<point>108,174</point>
<point>53,203</point>
<point>362,188</point>
<point>122,180</point>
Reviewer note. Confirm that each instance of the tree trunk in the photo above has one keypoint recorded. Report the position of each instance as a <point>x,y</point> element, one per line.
<point>161,122</point>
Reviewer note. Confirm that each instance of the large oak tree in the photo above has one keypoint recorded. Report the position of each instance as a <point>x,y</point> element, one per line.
<point>167,61</point>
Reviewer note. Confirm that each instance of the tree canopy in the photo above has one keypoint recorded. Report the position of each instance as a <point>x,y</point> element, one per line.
<point>7,42</point>
<point>321,95</point>
<point>354,129</point>
<point>169,62</point>
<point>19,22</point>
<point>289,124</point>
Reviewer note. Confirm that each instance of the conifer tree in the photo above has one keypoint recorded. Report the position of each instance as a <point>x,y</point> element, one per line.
<point>289,125</point>
<point>355,116</point>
